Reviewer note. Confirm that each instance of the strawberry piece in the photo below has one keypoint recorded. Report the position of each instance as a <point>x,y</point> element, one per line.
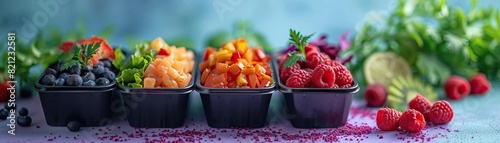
<point>236,56</point>
<point>163,52</point>
<point>441,112</point>
<point>375,95</point>
<point>422,105</point>
<point>412,121</point>
<point>298,79</point>
<point>388,119</point>
<point>105,50</point>
<point>343,76</point>
<point>456,87</point>
<point>66,46</point>
<point>4,93</point>
<point>479,84</point>
<point>324,76</point>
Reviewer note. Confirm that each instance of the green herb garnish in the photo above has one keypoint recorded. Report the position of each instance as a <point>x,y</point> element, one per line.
<point>300,42</point>
<point>76,56</point>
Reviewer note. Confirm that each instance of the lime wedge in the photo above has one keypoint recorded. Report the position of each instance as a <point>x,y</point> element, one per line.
<point>383,67</point>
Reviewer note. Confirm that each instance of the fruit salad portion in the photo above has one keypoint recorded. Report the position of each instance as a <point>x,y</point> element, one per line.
<point>158,65</point>
<point>236,65</point>
<point>84,63</point>
<point>306,66</point>
<point>172,67</point>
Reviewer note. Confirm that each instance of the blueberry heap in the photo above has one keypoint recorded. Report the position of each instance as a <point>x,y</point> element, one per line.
<point>100,74</point>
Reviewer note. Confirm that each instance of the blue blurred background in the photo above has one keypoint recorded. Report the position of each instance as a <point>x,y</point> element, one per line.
<point>196,20</point>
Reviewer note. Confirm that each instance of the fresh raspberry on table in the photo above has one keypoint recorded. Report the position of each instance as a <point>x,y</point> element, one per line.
<point>375,95</point>
<point>298,79</point>
<point>323,76</point>
<point>441,112</point>
<point>456,87</point>
<point>313,59</point>
<point>342,74</point>
<point>422,105</point>
<point>287,72</point>
<point>479,84</point>
<point>412,121</point>
<point>388,119</point>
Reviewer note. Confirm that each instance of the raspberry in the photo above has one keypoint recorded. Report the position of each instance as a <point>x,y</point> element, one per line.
<point>412,121</point>
<point>375,95</point>
<point>342,74</point>
<point>441,112</point>
<point>286,73</point>
<point>456,87</point>
<point>298,79</point>
<point>313,59</point>
<point>311,48</point>
<point>422,105</point>
<point>345,86</point>
<point>4,93</point>
<point>324,76</point>
<point>479,84</point>
<point>387,119</point>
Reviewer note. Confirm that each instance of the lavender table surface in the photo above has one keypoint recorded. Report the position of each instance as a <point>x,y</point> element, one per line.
<point>477,119</point>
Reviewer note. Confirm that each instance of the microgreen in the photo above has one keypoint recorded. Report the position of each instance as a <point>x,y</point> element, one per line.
<point>80,55</point>
<point>300,42</point>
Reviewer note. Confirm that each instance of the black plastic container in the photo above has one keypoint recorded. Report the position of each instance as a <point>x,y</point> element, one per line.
<point>317,107</point>
<point>89,106</point>
<point>235,107</point>
<point>157,107</point>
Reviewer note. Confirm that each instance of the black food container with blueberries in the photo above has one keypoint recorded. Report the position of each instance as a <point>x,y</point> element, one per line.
<point>157,107</point>
<point>235,107</point>
<point>317,107</point>
<point>91,106</point>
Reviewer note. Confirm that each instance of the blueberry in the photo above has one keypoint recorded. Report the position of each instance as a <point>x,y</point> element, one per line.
<point>74,126</point>
<point>89,83</point>
<point>75,69</point>
<point>4,113</point>
<point>101,81</point>
<point>50,71</point>
<point>10,107</point>
<point>58,66</point>
<point>74,80</point>
<point>107,63</point>
<point>59,82</point>
<point>48,79</point>
<point>24,121</point>
<point>64,75</point>
<point>100,63</point>
<point>109,75</point>
<point>87,69</point>
<point>23,112</point>
<point>98,70</point>
<point>88,76</point>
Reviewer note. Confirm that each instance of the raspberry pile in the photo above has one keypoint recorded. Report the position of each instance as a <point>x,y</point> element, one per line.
<point>317,71</point>
<point>414,119</point>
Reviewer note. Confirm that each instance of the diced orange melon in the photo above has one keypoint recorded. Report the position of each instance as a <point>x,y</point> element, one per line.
<point>221,68</point>
<point>158,43</point>
<point>149,82</point>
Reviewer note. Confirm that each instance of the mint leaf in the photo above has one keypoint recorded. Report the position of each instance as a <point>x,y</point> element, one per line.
<point>292,59</point>
<point>68,64</point>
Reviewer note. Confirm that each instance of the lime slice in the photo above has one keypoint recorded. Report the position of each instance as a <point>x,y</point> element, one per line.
<point>383,67</point>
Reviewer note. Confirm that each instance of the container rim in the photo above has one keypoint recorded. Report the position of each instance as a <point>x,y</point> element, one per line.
<point>205,90</point>
<point>285,89</point>
<point>71,88</point>
<point>188,88</point>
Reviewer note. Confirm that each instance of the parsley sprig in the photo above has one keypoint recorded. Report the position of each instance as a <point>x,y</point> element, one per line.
<point>80,55</point>
<point>300,42</point>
